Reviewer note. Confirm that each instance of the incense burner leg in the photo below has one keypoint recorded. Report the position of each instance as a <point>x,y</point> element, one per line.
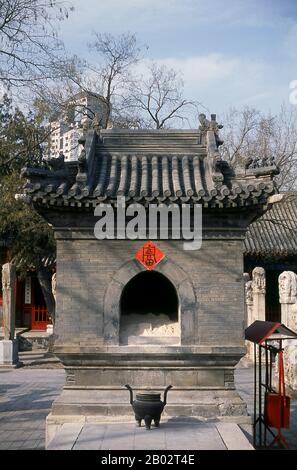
<point>148,421</point>
<point>138,421</point>
<point>157,422</point>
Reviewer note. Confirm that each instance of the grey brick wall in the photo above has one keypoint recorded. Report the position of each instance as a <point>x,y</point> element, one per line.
<point>85,268</point>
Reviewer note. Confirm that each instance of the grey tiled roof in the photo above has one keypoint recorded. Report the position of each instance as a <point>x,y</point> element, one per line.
<point>150,166</point>
<point>275,233</point>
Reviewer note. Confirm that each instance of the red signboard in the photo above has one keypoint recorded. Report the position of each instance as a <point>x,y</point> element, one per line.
<point>149,255</point>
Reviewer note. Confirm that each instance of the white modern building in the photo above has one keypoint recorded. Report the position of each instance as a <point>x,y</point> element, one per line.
<point>80,111</point>
<point>64,138</point>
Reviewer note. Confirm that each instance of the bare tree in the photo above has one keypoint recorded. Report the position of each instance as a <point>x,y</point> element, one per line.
<point>158,97</point>
<point>53,97</point>
<point>251,134</point>
<point>117,56</point>
<point>153,99</point>
<point>29,43</point>
<point>107,78</point>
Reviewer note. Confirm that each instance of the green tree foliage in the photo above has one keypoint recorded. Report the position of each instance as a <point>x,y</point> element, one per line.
<point>21,143</point>
<point>21,138</point>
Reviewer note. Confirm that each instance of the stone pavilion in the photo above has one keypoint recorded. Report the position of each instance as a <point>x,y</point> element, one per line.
<point>180,323</point>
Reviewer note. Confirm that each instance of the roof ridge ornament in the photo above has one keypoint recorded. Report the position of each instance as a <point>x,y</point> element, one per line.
<point>210,137</point>
<point>55,163</point>
<point>81,176</point>
<point>48,167</point>
<point>97,123</point>
<point>260,162</point>
<point>212,125</point>
<point>255,165</point>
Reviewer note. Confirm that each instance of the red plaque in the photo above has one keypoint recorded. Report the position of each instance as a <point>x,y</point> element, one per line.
<point>149,255</point>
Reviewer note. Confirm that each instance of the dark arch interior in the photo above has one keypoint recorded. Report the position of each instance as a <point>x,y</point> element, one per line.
<point>150,292</point>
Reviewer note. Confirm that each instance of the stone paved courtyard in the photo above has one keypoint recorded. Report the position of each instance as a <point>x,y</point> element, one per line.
<point>27,393</point>
<point>26,396</point>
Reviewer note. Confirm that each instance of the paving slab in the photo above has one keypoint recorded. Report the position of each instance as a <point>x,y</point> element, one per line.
<point>118,437</point>
<point>26,397</point>
<point>156,440</point>
<point>233,438</point>
<point>170,436</point>
<point>90,438</point>
<point>66,437</point>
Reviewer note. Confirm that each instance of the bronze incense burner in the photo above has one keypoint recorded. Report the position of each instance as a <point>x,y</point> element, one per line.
<point>148,406</point>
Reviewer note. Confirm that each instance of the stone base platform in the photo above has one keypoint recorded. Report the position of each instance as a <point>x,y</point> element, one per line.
<point>34,339</point>
<point>108,402</point>
<point>171,435</point>
<point>30,340</point>
<point>110,405</point>
<point>202,380</point>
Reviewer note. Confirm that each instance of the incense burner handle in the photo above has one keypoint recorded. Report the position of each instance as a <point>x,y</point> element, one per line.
<point>165,394</point>
<point>131,393</point>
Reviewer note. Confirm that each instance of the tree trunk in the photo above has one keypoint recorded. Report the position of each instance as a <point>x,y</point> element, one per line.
<point>45,281</point>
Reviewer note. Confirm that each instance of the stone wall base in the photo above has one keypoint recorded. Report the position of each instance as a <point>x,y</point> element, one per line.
<point>35,340</point>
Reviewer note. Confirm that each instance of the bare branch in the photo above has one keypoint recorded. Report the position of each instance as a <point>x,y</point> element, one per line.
<point>248,133</point>
<point>28,38</point>
<point>159,95</point>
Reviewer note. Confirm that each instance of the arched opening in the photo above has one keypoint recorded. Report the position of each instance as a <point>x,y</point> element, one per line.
<point>149,310</point>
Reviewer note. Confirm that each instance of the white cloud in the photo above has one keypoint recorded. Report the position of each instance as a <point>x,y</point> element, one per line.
<point>201,69</point>
<point>218,74</point>
<point>220,81</point>
<point>210,68</point>
<point>153,15</point>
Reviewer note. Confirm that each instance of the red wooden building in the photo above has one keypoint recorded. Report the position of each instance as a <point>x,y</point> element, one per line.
<point>31,310</point>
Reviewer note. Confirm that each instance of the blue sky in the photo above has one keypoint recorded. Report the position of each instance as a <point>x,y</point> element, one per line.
<point>231,52</point>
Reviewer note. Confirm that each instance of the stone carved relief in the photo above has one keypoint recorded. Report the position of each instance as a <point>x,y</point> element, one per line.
<point>9,291</point>
<point>293,319</point>
<point>249,292</point>
<point>259,281</point>
<point>287,283</point>
<point>290,360</point>
<point>290,366</point>
<point>248,289</point>
<point>246,277</point>
<point>54,284</point>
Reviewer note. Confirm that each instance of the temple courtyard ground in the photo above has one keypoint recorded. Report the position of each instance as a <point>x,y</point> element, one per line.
<point>27,393</point>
